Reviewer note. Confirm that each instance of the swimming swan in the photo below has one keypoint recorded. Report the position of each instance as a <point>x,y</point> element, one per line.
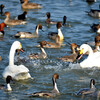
<point>17,72</point>
<point>93,58</point>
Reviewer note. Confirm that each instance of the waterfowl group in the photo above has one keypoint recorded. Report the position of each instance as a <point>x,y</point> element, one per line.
<point>48,20</point>
<point>29,34</point>
<point>52,93</point>
<point>21,72</point>
<point>9,21</point>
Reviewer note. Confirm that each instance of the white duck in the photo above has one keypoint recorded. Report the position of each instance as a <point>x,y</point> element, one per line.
<point>93,58</point>
<point>17,72</point>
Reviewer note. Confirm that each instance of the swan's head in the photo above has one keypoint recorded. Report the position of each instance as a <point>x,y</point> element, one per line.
<point>84,48</point>
<point>17,45</point>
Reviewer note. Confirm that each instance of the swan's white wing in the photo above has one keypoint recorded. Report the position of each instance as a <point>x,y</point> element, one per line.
<point>15,70</point>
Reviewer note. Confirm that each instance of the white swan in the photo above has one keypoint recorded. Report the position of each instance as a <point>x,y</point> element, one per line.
<point>19,72</point>
<point>93,59</point>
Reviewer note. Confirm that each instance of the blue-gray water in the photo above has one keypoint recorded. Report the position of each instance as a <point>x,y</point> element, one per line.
<point>78,31</point>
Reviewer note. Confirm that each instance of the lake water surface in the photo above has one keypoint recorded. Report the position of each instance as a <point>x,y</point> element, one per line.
<point>78,31</point>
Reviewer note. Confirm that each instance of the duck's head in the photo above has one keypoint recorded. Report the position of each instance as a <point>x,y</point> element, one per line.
<point>2,25</point>
<point>2,6</point>
<point>48,14</point>
<point>25,0</point>
<point>8,79</point>
<point>73,45</point>
<point>25,12</point>
<point>55,76</point>
<point>7,13</point>
<point>59,24</point>
<point>39,26</point>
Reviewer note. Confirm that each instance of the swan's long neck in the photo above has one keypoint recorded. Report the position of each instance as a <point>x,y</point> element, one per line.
<point>60,34</point>
<point>11,55</point>
<point>55,85</point>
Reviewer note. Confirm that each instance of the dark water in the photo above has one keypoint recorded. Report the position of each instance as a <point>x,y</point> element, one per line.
<point>72,78</point>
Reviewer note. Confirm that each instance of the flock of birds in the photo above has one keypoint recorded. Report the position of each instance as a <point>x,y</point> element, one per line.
<point>20,72</point>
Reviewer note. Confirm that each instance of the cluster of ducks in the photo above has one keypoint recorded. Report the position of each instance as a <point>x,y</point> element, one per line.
<point>20,72</point>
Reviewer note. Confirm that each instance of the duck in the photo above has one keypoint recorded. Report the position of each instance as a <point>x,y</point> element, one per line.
<point>22,16</point>
<point>52,93</point>
<point>29,34</point>
<point>48,44</point>
<point>72,57</point>
<point>17,72</point>
<point>53,35</point>
<point>64,20</point>
<point>1,7</point>
<point>7,87</point>
<point>48,20</point>
<point>2,25</point>
<point>88,91</point>
<point>41,55</point>
<point>29,5</point>
<point>94,13</point>
<point>9,21</point>
<point>96,28</point>
<point>92,59</point>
